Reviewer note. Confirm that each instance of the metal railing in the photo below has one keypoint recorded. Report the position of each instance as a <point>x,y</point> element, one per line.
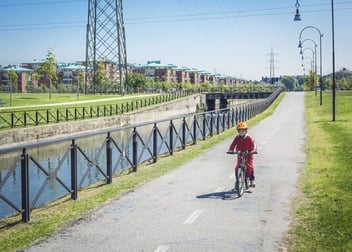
<point>115,150</point>
<point>22,119</point>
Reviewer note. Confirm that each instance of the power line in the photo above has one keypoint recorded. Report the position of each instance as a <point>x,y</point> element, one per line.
<point>40,3</point>
<point>189,17</point>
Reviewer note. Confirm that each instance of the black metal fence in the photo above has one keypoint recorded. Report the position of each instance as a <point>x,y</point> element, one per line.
<point>27,174</point>
<point>21,119</point>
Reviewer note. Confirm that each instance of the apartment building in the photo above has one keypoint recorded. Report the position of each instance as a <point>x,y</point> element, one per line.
<point>157,71</point>
<point>23,79</point>
<point>71,73</point>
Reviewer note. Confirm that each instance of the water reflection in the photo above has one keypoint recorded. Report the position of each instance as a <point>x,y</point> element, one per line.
<point>50,164</point>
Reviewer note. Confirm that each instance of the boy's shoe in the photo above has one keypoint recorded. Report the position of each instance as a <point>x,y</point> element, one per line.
<point>251,184</point>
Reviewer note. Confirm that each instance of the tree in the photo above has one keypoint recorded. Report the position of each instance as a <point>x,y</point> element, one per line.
<point>290,83</point>
<point>309,83</point>
<point>137,81</point>
<point>78,76</point>
<point>12,77</point>
<point>101,80</point>
<point>48,69</point>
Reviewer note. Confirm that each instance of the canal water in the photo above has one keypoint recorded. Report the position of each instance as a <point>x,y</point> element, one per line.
<point>50,164</point>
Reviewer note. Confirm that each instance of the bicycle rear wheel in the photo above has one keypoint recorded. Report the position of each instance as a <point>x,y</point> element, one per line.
<point>239,184</point>
<point>246,181</point>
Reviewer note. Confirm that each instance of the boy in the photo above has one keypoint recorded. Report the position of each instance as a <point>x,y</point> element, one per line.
<point>245,143</point>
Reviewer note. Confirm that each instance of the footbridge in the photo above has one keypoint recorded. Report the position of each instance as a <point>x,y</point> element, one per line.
<point>211,98</point>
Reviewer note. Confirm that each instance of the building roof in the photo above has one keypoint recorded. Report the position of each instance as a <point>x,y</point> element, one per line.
<point>73,67</point>
<point>17,69</point>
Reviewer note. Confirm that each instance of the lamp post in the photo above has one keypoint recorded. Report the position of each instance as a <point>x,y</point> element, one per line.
<point>311,75</point>
<point>314,67</point>
<point>333,63</point>
<point>321,70</point>
<point>311,63</point>
<point>315,53</point>
<point>333,55</point>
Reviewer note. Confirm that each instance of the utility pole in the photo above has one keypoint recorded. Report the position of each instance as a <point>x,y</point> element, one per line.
<point>105,46</point>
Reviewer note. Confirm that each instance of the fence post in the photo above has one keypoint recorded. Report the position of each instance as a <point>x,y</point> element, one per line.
<point>194,129</point>
<point>66,115</point>
<point>211,124</point>
<point>223,120</point>
<point>171,135</point>
<point>108,159</point>
<point>12,119</point>
<point>184,133</point>
<point>25,119</point>
<point>232,117</point>
<point>134,150</point>
<point>217,122</point>
<point>228,118</point>
<point>155,143</point>
<point>36,118</point>
<point>25,186</point>
<point>74,184</point>
<point>204,124</point>
<point>57,116</point>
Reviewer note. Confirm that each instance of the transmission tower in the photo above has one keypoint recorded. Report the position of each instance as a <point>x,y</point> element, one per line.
<point>106,59</point>
<point>272,66</point>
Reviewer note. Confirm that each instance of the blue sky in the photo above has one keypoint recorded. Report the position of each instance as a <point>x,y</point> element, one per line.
<point>233,37</point>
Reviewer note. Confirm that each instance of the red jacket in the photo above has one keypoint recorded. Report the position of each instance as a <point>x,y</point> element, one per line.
<point>246,143</point>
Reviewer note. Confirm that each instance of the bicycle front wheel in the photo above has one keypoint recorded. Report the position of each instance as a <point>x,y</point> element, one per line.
<point>239,184</point>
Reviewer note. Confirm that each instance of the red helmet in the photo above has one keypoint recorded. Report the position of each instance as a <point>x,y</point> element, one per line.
<point>242,125</point>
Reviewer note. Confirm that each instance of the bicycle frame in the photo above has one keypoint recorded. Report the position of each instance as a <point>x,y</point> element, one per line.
<point>241,179</point>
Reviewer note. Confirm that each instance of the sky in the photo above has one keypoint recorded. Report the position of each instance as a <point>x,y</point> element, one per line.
<point>246,39</point>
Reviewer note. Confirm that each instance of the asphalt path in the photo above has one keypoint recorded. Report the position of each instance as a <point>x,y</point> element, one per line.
<point>194,208</point>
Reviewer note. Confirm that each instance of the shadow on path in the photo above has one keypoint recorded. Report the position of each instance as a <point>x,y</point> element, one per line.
<point>226,195</point>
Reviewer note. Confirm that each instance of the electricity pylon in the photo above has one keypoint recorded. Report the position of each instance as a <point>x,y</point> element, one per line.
<point>106,59</point>
<point>272,67</point>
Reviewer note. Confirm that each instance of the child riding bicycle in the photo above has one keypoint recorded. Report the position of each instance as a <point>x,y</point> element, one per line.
<point>245,143</point>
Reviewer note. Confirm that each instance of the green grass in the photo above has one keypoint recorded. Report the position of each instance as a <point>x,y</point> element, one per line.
<point>25,99</point>
<point>46,220</point>
<point>42,101</point>
<point>323,217</point>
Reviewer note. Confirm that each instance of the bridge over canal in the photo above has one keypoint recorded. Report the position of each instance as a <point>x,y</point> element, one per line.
<point>223,97</point>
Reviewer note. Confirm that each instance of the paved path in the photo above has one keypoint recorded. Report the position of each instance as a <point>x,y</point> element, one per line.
<point>194,208</point>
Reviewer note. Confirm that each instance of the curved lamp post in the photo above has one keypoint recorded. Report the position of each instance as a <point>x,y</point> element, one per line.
<point>333,54</point>
<point>321,70</point>
<point>314,64</point>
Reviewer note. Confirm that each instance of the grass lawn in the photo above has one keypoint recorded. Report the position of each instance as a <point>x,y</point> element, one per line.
<point>323,214</point>
<point>42,101</point>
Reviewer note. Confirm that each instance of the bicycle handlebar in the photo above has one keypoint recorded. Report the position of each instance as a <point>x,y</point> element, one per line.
<point>241,153</point>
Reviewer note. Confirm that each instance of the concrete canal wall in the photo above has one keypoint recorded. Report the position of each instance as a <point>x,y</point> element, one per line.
<point>34,134</point>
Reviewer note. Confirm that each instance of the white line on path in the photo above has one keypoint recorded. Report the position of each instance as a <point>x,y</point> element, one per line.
<point>193,216</point>
<point>161,248</point>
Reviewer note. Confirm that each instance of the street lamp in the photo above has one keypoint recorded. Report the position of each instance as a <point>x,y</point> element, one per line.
<point>314,69</point>
<point>321,74</point>
<point>333,55</point>
<point>297,15</point>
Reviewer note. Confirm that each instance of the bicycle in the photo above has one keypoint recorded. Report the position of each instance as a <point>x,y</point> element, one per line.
<point>242,182</point>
